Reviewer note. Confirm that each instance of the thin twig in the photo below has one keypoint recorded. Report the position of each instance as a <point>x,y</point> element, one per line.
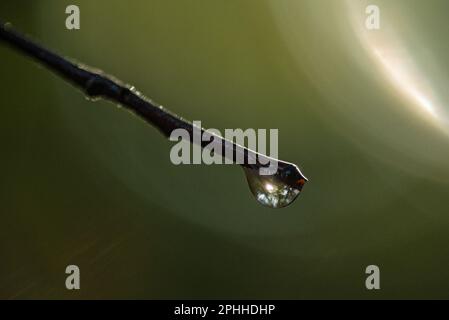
<point>96,84</point>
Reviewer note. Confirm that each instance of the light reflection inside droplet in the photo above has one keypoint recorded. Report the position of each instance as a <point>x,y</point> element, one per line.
<point>269,187</point>
<point>275,191</point>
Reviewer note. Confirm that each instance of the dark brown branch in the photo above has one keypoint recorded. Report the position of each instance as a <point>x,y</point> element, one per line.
<point>97,84</point>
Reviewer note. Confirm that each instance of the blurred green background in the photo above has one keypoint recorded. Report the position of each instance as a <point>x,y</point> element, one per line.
<point>89,184</point>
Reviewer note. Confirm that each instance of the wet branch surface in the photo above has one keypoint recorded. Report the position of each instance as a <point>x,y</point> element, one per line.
<point>96,84</point>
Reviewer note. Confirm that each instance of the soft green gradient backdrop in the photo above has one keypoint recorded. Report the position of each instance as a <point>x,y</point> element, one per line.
<point>89,184</point>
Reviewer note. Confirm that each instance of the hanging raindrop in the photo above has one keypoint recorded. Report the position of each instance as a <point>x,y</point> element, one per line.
<point>275,191</point>
<point>278,190</point>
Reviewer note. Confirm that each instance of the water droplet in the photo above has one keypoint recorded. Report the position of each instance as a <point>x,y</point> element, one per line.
<point>278,190</point>
<point>92,98</point>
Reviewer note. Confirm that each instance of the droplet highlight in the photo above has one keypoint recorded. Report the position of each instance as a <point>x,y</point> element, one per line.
<point>278,190</point>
